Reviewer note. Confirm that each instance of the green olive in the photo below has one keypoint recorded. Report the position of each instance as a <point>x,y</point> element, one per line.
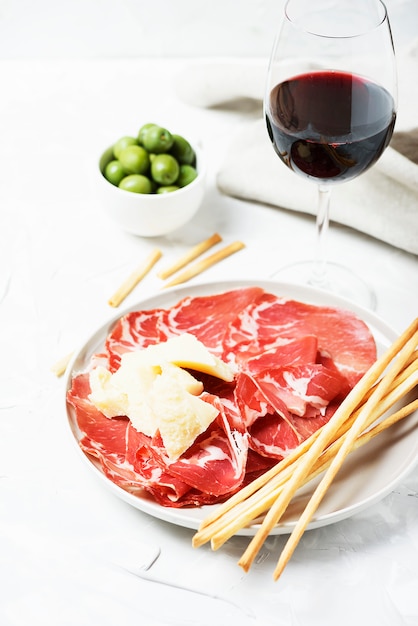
<point>143,131</point>
<point>157,139</point>
<point>123,143</point>
<point>164,169</point>
<point>167,188</point>
<point>134,160</point>
<point>114,172</point>
<point>136,183</point>
<point>182,150</point>
<point>187,175</point>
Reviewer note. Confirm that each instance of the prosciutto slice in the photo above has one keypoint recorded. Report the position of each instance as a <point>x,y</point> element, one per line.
<point>290,352</point>
<point>216,462</point>
<point>209,317</point>
<point>134,331</point>
<point>344,341</point>
<point>302,389</point>
<point>294,363</point>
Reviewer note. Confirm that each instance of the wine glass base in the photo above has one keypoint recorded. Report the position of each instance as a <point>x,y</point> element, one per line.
<point>338,280</point>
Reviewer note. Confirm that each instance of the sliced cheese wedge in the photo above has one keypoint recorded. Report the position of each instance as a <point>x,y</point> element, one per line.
<point>126,392</point>
<point>185,351</point>
<point>182,417</point>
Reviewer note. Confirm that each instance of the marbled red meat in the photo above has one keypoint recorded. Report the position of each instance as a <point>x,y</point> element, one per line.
<point>300,388</point>
<point>208,317</point>
<point>344,341</point>
<point>134,331</point>
<point>294,363</point>
<point>215,463</point>
<point>290,352</point>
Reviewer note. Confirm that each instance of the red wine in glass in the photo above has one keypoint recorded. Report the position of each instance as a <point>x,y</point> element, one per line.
<point>330,126</point>
<point>330,108</point>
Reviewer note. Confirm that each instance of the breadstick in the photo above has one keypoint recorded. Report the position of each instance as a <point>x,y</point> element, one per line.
<point>190,256</point>
<point>206,263</point>
<point>60,366</point>
<point>136,276</point>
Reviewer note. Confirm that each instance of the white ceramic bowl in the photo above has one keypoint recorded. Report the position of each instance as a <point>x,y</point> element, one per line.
<point>150,215</point>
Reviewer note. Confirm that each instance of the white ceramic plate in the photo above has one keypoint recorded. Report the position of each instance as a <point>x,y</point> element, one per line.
<point>367,475</point>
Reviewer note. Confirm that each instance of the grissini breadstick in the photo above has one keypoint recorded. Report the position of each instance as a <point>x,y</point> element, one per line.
<point>190,256</point>
<point>128,285</point>
<point>206,263</point>
<point>60,366</point>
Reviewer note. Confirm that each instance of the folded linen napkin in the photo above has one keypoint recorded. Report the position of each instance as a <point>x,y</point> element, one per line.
<point>383,202</point>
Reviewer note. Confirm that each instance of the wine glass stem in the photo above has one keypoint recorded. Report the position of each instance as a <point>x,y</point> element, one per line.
<point>319,273</point>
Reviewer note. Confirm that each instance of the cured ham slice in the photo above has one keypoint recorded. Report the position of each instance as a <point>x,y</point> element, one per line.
<point>300,387</point>
<point>275,438</point>
<point>99,435</point>
<point>293,362</point>
<point>291,352</point>
<point>344,341</point>
<point>252,403</point>
<point>300,396</point>
<point>216,463</point>
<point>208,317</point>
<point>114,443</point>
<point>134,331</point>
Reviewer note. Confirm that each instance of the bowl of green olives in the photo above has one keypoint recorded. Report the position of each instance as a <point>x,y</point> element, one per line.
<point>151,183</point>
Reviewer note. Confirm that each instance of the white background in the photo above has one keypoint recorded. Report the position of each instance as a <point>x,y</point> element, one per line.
<point>74,75</point>
<point>168,28</point>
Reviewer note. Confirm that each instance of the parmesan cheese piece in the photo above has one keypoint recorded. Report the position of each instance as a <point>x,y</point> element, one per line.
<point>137,365</point>
<point>110,400</point>
<point>154,391</point>
<point>182,417</point>
<point>186,351</point>
<point>126,392</point>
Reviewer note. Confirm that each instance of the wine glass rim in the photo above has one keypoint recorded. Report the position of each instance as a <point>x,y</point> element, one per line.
<point>381,18</point>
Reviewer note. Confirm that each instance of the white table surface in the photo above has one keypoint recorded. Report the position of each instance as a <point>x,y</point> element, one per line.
<point>66,543</point>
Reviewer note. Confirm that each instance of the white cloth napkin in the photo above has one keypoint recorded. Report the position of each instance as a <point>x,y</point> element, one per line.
<point>382,203</point>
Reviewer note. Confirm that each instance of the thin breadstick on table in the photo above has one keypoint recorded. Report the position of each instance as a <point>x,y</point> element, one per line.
<point>206,263</point>
<point>128,285</point>
<point>190,256</point>
<point>60,366</point>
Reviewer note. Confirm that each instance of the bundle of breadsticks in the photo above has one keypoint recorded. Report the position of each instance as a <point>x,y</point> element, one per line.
<point>368,410</point>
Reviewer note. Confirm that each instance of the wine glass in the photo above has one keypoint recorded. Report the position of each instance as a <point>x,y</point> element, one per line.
<point>330,109</point>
